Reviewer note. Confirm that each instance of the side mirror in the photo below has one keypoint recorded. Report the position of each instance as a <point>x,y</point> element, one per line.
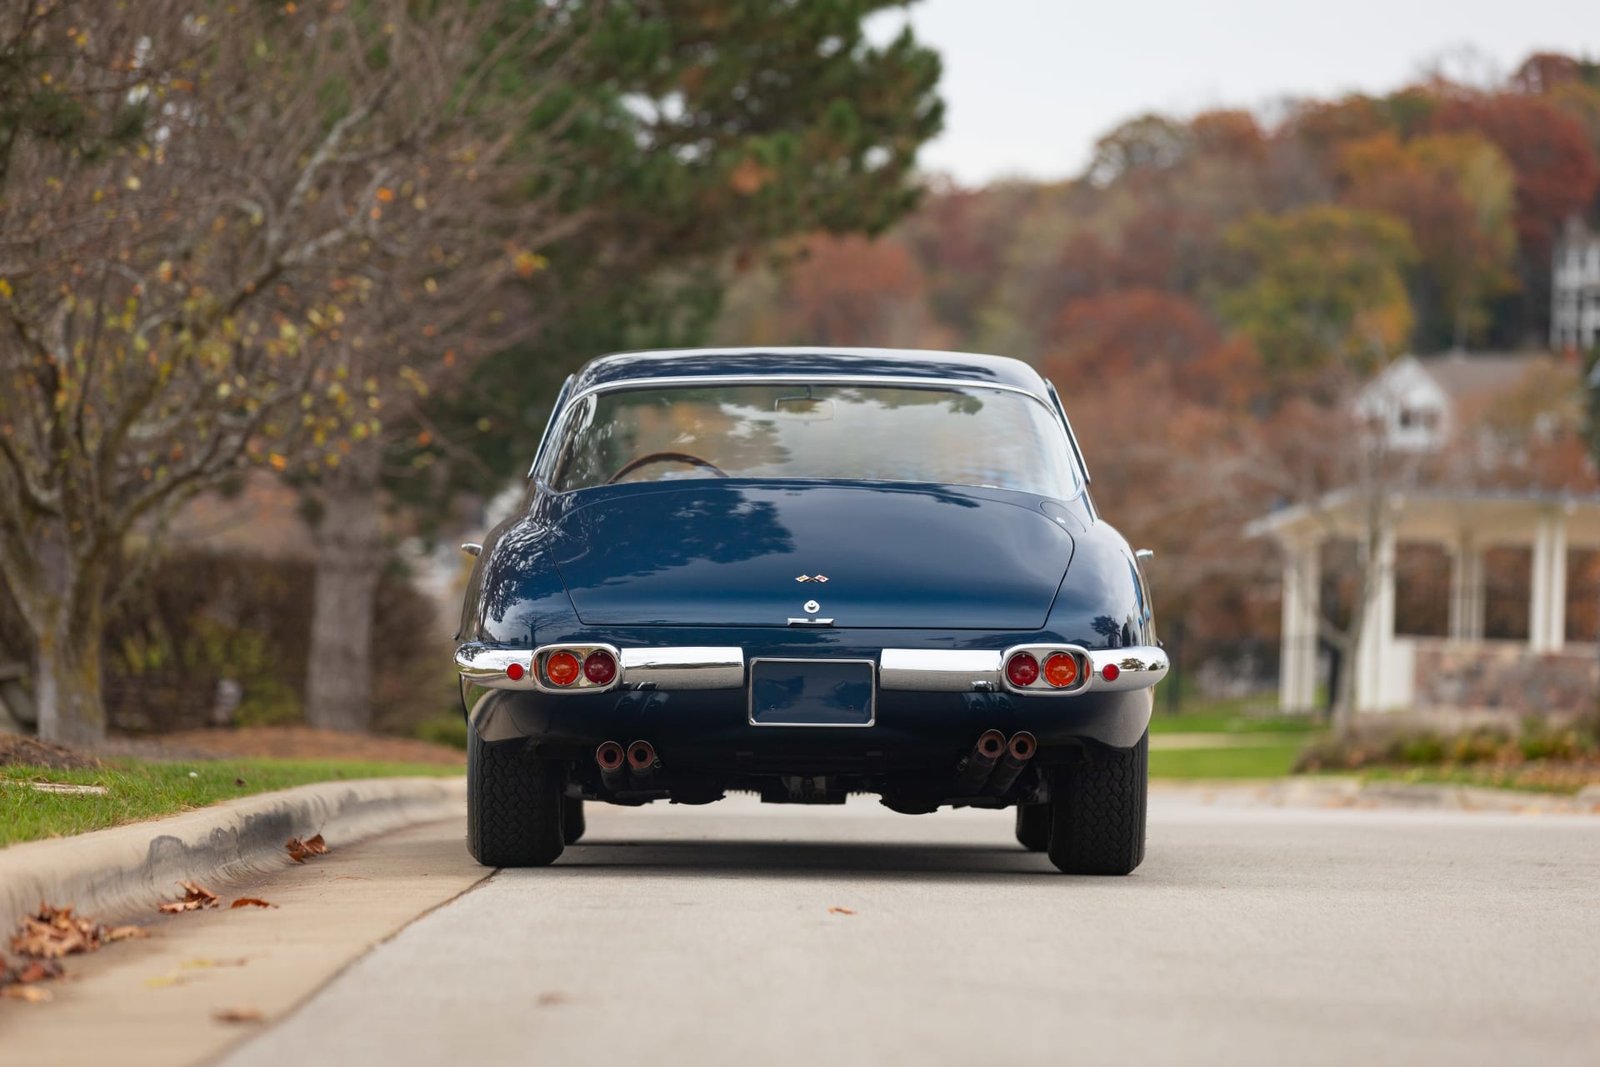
<point>472,548</point>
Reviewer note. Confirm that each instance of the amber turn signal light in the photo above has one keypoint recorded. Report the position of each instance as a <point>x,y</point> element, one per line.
<point>561,668</point>
<point>1061,669</point>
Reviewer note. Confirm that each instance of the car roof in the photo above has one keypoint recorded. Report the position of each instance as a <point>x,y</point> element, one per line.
<point>956,367</point>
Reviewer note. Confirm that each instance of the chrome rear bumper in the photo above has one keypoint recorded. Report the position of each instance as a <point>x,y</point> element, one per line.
<point>914,669</point>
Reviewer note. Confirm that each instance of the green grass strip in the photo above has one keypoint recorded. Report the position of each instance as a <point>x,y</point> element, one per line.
<point>136,790</point>
<point>1253,761</point>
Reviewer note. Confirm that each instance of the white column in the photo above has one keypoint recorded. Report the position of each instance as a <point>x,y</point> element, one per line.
<point>1297,652</point>
<point>1556,627</point>
<point>1466,589</point>
<point>1547,600</point>
<point>1377,632</point>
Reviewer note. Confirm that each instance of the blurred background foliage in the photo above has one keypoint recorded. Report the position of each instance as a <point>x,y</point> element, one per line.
<point>743,172</point>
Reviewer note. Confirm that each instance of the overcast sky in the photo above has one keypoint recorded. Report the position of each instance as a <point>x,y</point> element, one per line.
<point>1030,84</point>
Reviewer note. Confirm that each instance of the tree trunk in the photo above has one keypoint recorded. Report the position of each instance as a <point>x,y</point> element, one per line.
<point>69,633</point>
<point>67,686</point>
<point>349,560</point>
<point>1341,712</point>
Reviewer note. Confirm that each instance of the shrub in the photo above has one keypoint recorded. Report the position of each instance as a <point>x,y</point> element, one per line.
<point>446,728</point>
<point>226,636</point>
<point>1384,745</point>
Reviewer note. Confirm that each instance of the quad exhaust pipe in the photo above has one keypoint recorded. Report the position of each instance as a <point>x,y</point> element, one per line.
<point>1019,750</point>
<point>613,762</point>
<point>642,764</point>
<point>973,771</point>
<point>994,764</point>
<point>621,768</point>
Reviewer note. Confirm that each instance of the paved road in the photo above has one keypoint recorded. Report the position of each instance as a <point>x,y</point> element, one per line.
<point>1251,935</point>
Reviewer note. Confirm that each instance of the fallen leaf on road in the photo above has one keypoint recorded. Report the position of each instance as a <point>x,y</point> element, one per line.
<point>30,972</point>
<point>54,932</point>
<point>238,1015</point>
<point>195,897</point>
<point>553,998</point>
<point>37,971</point>
<point>300,851</point>
<point>124,933</point>
<point>161,981</point>
<point>203,963</point>
<point>841,911</point>
<point>251,902</point>
<point>30,993</point>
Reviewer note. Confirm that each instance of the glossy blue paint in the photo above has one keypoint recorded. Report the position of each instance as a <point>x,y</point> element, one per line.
<point>725,553</point>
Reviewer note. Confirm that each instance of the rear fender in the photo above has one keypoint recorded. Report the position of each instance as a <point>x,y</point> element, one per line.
<point>1102,602</point>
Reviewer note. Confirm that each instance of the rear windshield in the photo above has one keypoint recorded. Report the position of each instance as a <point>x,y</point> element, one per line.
<point>949,435</point>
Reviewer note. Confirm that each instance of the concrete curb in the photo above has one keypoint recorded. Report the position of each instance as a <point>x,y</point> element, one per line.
<point>1335,792</point>
<point>127,870</point>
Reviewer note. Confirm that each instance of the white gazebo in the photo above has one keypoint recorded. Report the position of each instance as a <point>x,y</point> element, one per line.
<point>1463,671</point>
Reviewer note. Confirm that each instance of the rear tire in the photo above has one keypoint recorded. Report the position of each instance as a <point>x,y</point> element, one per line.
<point>514,802</point>
<point>1033,826</point>
<point>573,824</point>
<point>1097,810</point>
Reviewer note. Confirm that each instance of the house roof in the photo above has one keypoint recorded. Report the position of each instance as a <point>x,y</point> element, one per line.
<point>1464,374</point>
<point>1440,516</point>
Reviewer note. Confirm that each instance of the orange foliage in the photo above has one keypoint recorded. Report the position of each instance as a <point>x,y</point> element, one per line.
<point>1557,172</point>
<point>1131,329</point>
<point>856,291</point>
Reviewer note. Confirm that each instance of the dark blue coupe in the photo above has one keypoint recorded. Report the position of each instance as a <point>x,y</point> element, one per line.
<point>808,573</point>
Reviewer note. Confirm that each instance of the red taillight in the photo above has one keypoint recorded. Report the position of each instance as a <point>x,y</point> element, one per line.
<point>1022,669</point>
<point>1110,672</point>
<point>1061,669</point>
<point>514,671</point>
<point>561,668</point>
<point>599,667</point>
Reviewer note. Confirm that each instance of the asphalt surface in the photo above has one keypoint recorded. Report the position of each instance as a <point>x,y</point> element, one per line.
<point>778,935</point>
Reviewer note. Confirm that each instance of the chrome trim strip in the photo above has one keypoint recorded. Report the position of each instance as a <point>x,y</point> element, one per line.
<point>1139,667</point>
<point>750,694</point>
<point>935,670</point>
<point>683,667</point>
<point>911,380</point>
<point>486,667</point>
<point>809,621</point>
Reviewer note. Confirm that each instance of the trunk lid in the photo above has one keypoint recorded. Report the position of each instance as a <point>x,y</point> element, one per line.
<point>732,555</point>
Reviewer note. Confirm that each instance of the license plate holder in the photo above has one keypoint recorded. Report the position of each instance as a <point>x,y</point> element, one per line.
<point>813,692</point>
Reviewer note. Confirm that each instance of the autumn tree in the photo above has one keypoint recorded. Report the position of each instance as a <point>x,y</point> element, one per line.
<point>248,201</point>
<point>1322,290</point>
<point>1454,192</point>
<point>1557,176</point>
<point>850,291</point>
<point>690,136</point>
<point>1130,330</point>
<point>1147,145</point>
